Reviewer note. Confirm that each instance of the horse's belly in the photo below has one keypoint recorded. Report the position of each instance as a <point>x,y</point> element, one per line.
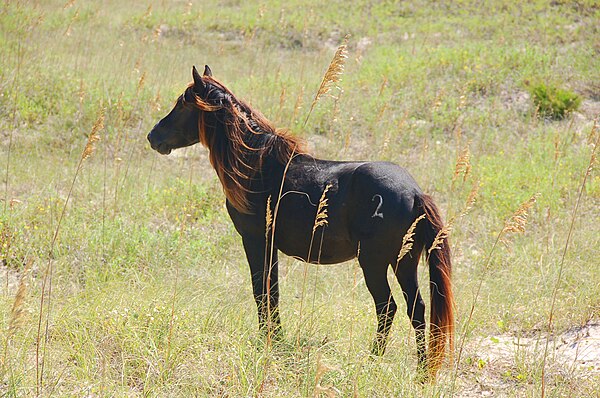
<point>296,235</point>
<point>327,251</point>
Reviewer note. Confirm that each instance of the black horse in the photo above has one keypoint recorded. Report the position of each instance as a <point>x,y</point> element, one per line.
<point>282,199</point>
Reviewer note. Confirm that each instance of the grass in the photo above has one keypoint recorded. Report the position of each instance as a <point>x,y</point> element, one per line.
<point>150,292</point>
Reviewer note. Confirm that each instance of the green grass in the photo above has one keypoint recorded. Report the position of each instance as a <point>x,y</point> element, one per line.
<point>150,290</point>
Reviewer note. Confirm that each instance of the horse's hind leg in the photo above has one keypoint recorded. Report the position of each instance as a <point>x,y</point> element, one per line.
<point>375,271</point>
<point>406,273</point>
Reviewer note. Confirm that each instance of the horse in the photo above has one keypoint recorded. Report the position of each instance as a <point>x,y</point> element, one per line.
<point>282,199</point>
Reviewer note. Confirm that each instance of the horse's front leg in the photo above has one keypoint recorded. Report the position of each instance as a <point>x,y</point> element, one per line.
<point>264,273</point>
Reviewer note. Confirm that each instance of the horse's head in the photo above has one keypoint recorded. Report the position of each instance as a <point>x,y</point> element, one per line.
<point>180,127</point>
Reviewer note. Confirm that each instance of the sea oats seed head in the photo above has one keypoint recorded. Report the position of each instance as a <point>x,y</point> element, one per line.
<point>407,239</point>
<point>321,217</point>
<point>517,222</point>
<point>441,236</point>
<point>268,218</point>
<point>333,74</point>
<point>93,137</point>
<point>463,164</point>
<point>471,199</point>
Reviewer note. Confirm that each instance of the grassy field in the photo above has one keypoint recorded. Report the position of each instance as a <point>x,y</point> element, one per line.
<point>121,273</point>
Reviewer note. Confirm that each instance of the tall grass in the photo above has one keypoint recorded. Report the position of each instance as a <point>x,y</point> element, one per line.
<point>586,175</point>
<point>46,293</point>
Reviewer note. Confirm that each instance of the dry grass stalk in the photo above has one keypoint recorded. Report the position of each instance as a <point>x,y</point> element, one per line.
<point>471,199</point>
<point>156,33</point>
<point>441,236</point>
<point>517,222</point>
<point>46,290</point>
<point>141,84</point>
<point>68,30</point>
<point>463,164</point>
<point>268,219</point>
<point>407,239</point>
<point>586,175</point>
<point>93,137</point>
<point>298,104</point>
<point>320,221</point>
<point>156,102</point>
<point>592,136</point>
<point>381,112</point>
<point>557,151</point>
<point>319,390</point>
<point>329,392</point>
<point>282,98</point>
<point>384,84</point>
<point>18,308</point>
<point>437,100</point>
<point>332,75</point>
<point>17,312</point>
<point>593,161</point>
<point>270,249</point>
<point>321,217</point>
<point>444,233</point>
<point>148,12</point>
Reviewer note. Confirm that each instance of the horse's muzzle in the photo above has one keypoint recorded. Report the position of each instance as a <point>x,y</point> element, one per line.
<point>161,147</point>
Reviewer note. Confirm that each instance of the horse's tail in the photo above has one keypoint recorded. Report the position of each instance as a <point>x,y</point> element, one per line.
<point>441,323</point>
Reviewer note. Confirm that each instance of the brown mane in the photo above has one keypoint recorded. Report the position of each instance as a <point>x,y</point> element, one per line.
<point>239,139</point>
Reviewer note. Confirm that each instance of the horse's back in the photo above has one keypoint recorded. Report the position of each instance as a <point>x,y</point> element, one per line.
<point>388,183</point>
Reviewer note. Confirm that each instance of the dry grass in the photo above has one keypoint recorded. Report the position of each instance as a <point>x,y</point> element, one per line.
<point>333,74</point>
<point>321,216</point>
<point>93,137</point>
<point>516,223</point>
<point>463,165</point>
<point>46,289</point>
<point>407,240</point>
<point>586,175</point>
<point>319,222</point>
<point>17,313</point>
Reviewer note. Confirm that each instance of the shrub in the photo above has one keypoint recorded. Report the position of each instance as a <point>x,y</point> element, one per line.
<point>554,102</point>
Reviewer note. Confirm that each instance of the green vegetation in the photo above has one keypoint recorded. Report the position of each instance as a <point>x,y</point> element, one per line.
<point>553,102</point>
<point>125,277</point>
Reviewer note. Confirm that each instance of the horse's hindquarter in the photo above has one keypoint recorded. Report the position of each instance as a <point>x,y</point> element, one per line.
<point>384,194</point>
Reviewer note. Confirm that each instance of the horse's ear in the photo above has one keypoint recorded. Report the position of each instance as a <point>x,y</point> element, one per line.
<point>198,82</point>
<point>207,71</point>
